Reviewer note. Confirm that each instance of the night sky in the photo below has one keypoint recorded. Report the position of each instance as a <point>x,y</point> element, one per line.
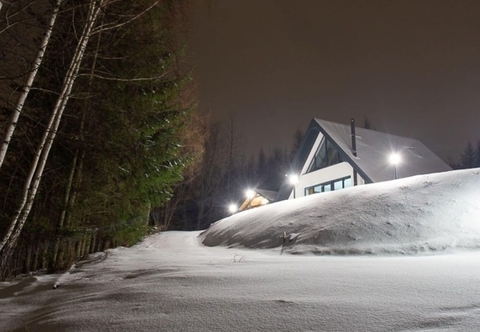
<point>412,67</point>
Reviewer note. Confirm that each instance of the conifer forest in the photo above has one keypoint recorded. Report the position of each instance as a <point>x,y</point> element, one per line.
<point>96,121</point>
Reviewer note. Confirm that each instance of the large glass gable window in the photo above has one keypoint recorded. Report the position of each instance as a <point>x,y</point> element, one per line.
<point>325,156</point>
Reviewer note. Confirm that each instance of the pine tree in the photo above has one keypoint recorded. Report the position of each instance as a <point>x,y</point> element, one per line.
<point>136,128</point>
<point>467,159</point>
<point>367,124</point>
<point>261,168</point>
<point>297,140</point>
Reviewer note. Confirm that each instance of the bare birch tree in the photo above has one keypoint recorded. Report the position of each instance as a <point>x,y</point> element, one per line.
<point>89,26</point>
<point>28,83</point>
<point>41,155</point>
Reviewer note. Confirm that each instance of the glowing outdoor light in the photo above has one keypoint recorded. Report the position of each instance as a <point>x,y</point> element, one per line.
<point>395,159</point>
<point>232,208</point>
<point>293,179</point>
<point>250,193</point>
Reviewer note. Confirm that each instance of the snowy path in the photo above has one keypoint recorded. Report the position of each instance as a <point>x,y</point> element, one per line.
<point>170,282</point>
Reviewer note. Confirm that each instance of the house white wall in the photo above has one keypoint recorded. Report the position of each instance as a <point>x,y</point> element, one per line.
<point>323,175</point>
<point>330,173</point>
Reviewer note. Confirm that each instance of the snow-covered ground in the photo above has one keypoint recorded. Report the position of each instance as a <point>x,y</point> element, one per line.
<point>402,256</point>
<point>425,213</point>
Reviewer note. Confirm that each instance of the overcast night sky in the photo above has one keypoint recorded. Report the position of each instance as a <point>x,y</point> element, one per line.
<point>412,67</point>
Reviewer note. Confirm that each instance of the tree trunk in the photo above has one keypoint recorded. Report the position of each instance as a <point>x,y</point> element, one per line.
<point>65,205</point>
<point>41,155</point>
<point>93,241</point>
<point>37,256</point>
<point>44,257</point>
<point>28,84</point>
<point>86,248</point>
<point>28,259</point>
<point>200,215</point>
<point>68,199</point>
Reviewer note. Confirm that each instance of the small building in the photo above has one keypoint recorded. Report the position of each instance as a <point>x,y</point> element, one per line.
<point>258,197</point>
<point>333,156</point>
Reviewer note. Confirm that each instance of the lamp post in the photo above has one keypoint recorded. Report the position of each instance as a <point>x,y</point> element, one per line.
<point>293,179</point>
<point>232,208</point>
<point>395,159</point>
<point>250,196</point>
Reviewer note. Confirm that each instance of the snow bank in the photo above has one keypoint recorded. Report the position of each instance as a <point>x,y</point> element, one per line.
<point>426,213</point>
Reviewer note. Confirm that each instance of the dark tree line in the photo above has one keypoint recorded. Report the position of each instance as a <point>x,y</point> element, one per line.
<point>222,176</point>
<point>97,125</point>
<point>224,172</point>
<point>100,141</point>
<point>469,158</point>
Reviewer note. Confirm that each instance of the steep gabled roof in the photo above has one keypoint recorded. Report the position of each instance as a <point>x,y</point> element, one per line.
<point>261,197</point>
<point>373,150</point>
<point>268,194</point>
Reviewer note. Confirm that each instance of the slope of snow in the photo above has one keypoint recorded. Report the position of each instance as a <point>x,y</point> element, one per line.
<point>171,282</point>
<point>424,213</point>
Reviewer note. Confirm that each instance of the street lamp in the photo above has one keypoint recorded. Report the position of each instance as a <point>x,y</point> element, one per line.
<point>250,196</point>
<point>395,159</point>
<point>232,208</point>
<point>293,179</point>
<point>250,193</point>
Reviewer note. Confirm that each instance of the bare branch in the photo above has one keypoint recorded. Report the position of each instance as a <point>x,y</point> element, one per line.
<point>119,79</point>
<point>111,26</point>
<point>41,154</point>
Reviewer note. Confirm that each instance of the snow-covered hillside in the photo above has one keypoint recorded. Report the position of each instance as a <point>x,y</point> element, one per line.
<point>171,282</point>
<point>426,213</point>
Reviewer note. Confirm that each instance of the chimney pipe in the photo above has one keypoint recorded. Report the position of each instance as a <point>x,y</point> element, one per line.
<point>354,139</point>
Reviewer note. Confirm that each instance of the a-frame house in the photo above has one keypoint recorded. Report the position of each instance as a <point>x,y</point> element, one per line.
<point>333,156</point>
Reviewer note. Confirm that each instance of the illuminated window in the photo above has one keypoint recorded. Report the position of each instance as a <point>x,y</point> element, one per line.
<point>347,182</point>
<point>329,186</point>
<point>325,156</point>
<point>337,185</point>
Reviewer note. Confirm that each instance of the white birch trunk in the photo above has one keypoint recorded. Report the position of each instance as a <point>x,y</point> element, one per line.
<point>43,150</point>
<point>28,84</point>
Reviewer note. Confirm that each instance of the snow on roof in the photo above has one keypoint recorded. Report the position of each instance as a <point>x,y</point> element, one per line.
<point>260,198</point>
<point>374,149</point>
<point>423,213</point>
<point>268,194</point>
